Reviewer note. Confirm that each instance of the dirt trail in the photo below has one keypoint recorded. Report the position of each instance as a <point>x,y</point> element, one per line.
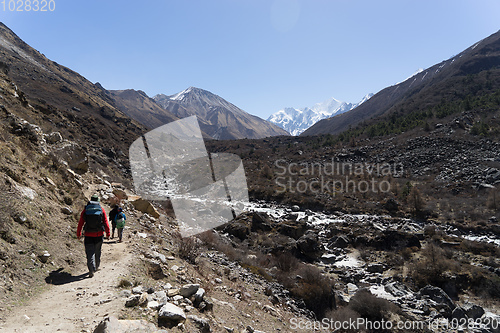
<point>75,302</point>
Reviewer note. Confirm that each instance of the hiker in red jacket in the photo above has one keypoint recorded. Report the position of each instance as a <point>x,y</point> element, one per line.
<point>94,221</point>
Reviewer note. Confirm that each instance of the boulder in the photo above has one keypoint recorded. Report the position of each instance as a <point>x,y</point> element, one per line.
<point>172,292</point>
<point>153,305</point>
<point>188,290</point>
<point>436,294</point>
<point>293,229</point>
<point>137,290</point>
<point>473,311</point>
<point>145,207</point>
<point>309,245</point>
<point>200,323</point>
<point>238,229</point>
<point>111,324</point>
<point>54,137</point>
<point>25,191</point>
<point>132,301</point>
<point>198,297</point>
<point>44,257</point>
<point>20,218</point>
<point>170,315</point>
<point>375,268</point>
<point>396,289</point>
<point>394,240</point>
<point>458,313</point>
<point>391,205</point>
<point>66,210</point>
<point>74,155</point>
<point>206,305</point>
<point>261,222</point>
<point>120,194</point>
<point>339,241</point>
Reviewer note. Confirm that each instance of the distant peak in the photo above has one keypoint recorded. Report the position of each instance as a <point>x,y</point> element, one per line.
<point>180,96</point>
<point>190,90</point>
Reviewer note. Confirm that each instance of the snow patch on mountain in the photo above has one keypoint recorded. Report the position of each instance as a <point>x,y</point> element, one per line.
<point>180,96</point>
<point>296,121</point>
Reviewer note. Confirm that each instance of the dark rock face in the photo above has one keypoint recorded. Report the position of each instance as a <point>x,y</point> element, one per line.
<point>261,222</point>
<point>238,229</point>
<point>339,241</point>
<point>293,229</point>
<point>437,295</point>
<point>473,311</point>
<point>394,240</point>
<point>309,245</point>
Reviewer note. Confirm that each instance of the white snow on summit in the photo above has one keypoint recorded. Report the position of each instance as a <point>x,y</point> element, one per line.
<point>180,96</point>
<point>296,121</point>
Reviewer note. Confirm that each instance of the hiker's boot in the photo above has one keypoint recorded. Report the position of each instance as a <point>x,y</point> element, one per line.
<point>91,274</point>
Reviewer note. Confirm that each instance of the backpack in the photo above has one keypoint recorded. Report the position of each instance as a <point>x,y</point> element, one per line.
<point>93,217</point>
<point>120,220</point>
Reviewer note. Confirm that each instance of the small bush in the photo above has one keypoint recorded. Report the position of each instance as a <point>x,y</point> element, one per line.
<point>431,268</point>
<point>124,283</point>
<point>188,249</point>
<point>314,289</point>
<point>370,307</point>
<point>344,314</point>
<point>286,262</point>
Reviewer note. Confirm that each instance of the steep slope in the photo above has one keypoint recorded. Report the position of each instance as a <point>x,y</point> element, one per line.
<point>139,106</point>
<point>57,99</point>
<point>469,74</point>
<point>218,118</point>
<point>296,121</point>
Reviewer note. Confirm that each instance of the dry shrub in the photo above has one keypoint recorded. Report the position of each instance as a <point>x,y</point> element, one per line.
<point>315,289</point>
<point>430,269</point>
<point>286,262</point>
<point>370,307</point>
<point>212,240</point>
<point>482,248</point>
<point>188,249</point>
<point>407,254</point>
<point>257,270</point>
<point>344,314</point>
<point>124,283</point>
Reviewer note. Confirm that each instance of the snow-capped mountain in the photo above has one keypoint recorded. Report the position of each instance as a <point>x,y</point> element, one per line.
<point>218,118</point>
<point>296,121</point>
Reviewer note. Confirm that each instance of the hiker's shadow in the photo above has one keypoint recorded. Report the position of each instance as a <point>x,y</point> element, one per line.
<point>59,277</point>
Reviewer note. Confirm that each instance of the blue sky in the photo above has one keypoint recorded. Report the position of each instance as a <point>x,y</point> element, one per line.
<point>261,55</point>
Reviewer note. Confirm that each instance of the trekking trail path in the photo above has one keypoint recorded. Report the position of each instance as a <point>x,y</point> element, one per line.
<point>75,302</point>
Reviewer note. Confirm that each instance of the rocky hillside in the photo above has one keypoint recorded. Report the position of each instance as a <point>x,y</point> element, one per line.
<point>448,87</point>
<point>57,99</point>
<point>139,106</point>
<point>218,118</point>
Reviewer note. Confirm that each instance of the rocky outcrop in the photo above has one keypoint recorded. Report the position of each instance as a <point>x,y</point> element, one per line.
<point>170,315</point>
<point>145,207</point>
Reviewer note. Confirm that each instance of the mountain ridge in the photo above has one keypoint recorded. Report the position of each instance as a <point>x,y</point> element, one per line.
<point>217,117</point>
<point>446,78</point>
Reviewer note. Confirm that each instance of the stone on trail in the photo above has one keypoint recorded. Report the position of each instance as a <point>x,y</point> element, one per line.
<point>170,315</point>
<point>112,325</point>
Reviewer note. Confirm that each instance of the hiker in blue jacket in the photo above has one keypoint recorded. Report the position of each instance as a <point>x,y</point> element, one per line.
<point>120,223</point>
